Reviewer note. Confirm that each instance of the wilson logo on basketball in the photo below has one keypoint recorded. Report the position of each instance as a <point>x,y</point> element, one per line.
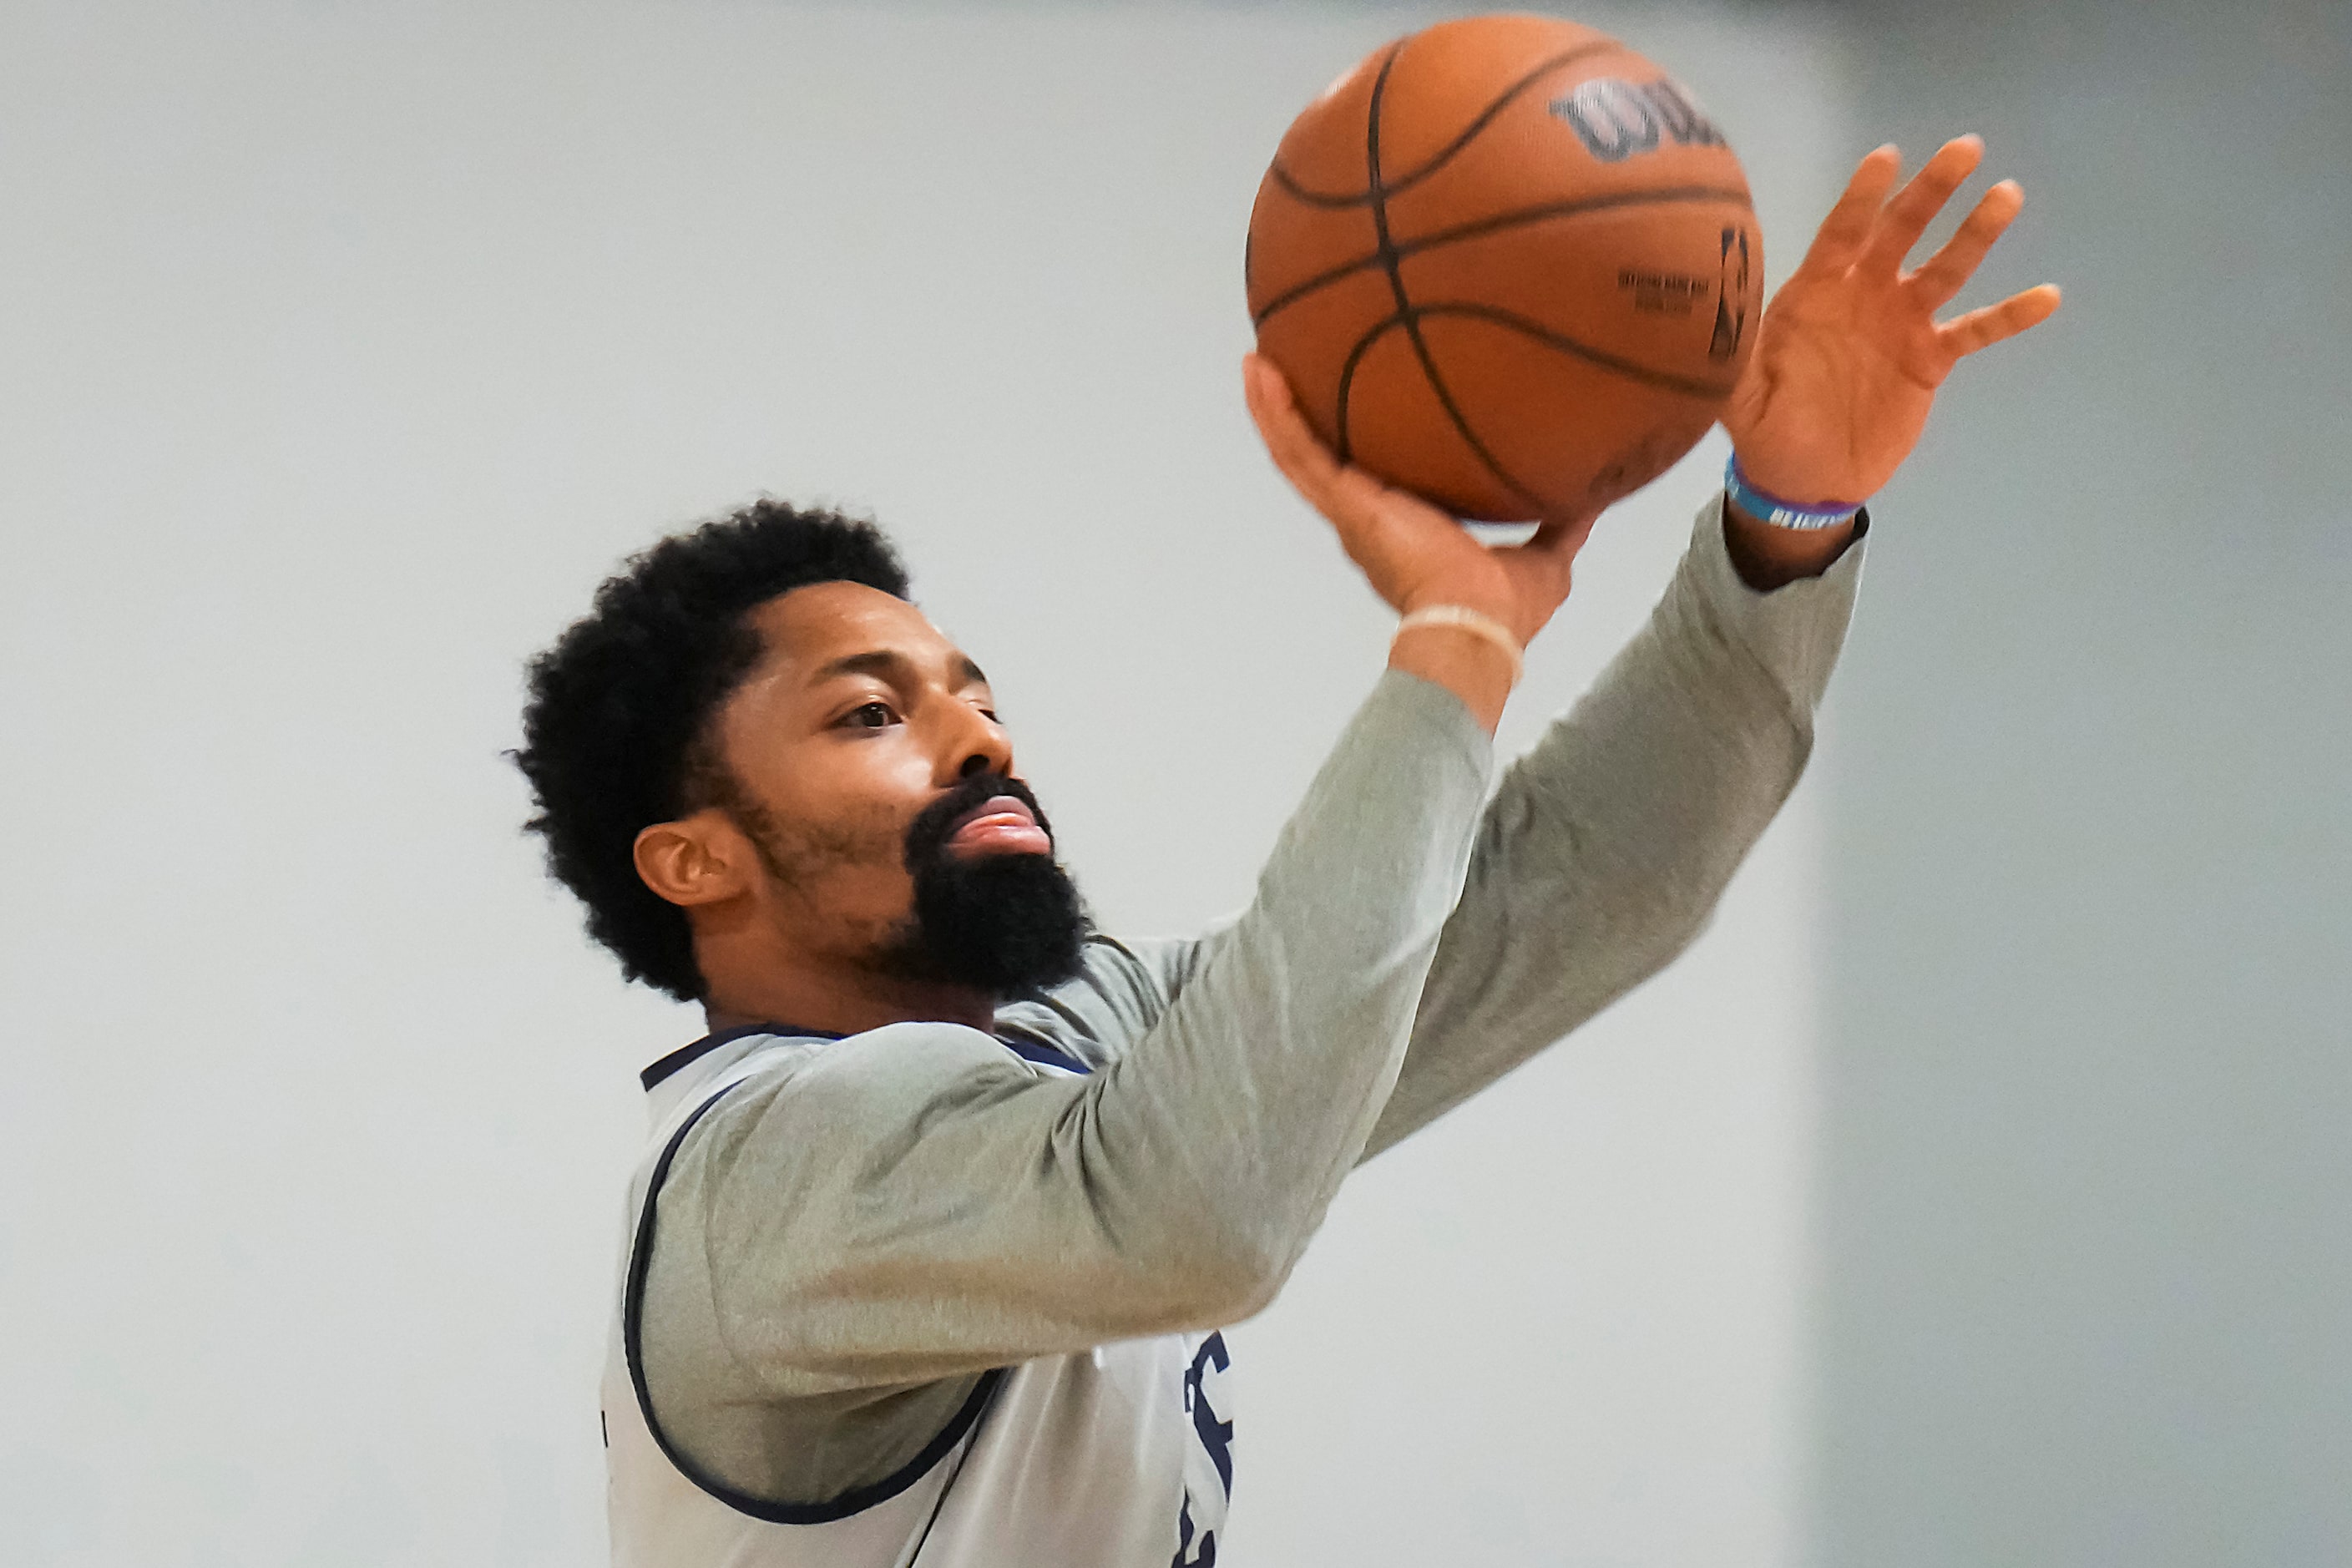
<point>1616,118</point>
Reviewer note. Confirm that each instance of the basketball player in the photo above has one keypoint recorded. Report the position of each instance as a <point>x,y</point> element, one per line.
<point>936,1227</point>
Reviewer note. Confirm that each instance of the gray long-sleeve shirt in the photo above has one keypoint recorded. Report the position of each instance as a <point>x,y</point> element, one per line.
<point>848,1241</point>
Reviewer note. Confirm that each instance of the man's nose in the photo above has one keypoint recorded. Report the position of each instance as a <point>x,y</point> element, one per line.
<point>980,747</point>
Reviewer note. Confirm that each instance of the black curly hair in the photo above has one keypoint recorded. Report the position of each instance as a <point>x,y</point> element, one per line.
<point>616,729</point>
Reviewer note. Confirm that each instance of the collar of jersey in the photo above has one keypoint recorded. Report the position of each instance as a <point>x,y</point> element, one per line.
<point>687,1055</point>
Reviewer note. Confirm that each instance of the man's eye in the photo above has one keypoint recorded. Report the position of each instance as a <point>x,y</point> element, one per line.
<point>870,716</point>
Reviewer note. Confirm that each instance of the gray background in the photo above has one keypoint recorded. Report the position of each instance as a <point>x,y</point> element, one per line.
<point>2087,1134</point>
<point>1970,1195</point>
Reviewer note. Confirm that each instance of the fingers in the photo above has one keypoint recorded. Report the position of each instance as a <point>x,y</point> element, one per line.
<point>1305,461</point>
<point>1914,206</point>
<point>1375,523</point>
<point>1346,495</point>
<point>1407,548</point>
<point>1846,230</point>
<point>1542,569</point>
<point>1982,328</point>
<point>1349,499</point>
<point>1947,272</point>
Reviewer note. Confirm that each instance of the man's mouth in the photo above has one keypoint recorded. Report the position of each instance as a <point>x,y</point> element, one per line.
<point>1001,824</point>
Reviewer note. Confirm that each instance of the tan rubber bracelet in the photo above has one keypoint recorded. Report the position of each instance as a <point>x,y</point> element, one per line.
<point>1477,624</point>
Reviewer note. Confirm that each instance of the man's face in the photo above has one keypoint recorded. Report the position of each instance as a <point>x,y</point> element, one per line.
<point>872,774</point>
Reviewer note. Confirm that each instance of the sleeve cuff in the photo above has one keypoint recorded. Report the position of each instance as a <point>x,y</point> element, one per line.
<point>1425,708</point>
<point>1794,631</point>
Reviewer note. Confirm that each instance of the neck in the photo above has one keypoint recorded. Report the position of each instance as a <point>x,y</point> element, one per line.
<point>842,1002</point>
<point>763,969</point>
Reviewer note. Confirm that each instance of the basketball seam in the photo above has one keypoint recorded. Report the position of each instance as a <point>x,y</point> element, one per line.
<point>1509,321</point>
<point>1348,375</point>
<point>1566,344</point>
<point>1469,134</point>
<point>1380,238</point>
<point>1478,229</point>
<point>1389,260</point>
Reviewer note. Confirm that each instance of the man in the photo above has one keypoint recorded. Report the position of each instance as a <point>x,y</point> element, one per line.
<point>938,1224</point>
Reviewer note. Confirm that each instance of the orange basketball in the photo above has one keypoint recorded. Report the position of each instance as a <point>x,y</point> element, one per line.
<point>1508,264</point>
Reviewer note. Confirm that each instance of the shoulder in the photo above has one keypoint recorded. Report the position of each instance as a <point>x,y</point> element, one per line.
<point>898,1065</point>
<point>1122,987</point>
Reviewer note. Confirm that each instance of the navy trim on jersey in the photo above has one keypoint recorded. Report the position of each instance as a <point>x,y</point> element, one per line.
<point>1038,1051</point>
<point>858,1500</point>
<point>687,1055</point>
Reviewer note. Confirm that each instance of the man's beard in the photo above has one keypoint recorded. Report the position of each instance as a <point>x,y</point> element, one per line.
<point>1002,923</point>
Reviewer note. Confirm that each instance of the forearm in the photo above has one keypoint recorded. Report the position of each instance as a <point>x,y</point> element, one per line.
<point>1608,845</point>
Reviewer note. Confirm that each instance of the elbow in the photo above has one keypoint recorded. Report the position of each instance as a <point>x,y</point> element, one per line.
<point>1668,902</point>
<point>1192,1233</point>
<point>1661,926</point>
<point>1248,1275</point>
<point>1222,1272</point>
<point>1683,921</point>
<point>1238,1283</point>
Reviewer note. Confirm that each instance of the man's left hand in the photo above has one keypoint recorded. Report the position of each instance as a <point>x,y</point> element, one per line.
<point>1850,353</point>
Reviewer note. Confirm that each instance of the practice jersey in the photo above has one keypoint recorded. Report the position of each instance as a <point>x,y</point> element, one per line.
<point>868,1226</point>
<point>1118,1455</point>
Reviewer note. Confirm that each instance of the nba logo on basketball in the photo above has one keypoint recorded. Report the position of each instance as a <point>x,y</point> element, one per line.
<point>1731,299</point>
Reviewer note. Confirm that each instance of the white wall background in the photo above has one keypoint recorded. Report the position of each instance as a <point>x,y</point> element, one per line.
<point>343,349</point>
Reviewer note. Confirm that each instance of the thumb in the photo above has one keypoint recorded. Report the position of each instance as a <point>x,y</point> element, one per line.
<point>1542,571</point>
<point>1561,536</point>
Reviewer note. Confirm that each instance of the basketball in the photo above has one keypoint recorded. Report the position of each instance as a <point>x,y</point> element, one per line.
<point>1508,264</point>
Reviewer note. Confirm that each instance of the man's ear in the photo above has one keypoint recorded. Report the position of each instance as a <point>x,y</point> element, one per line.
<point>698,859</point>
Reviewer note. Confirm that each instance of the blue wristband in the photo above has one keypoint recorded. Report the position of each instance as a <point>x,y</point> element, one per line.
<point>1781,514</point>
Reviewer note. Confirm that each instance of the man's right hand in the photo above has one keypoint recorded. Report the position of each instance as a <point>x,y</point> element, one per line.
<point>1415,556</point>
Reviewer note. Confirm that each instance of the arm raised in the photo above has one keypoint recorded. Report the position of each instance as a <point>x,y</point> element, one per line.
<point>1607,845</point>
